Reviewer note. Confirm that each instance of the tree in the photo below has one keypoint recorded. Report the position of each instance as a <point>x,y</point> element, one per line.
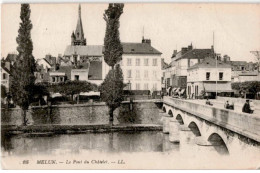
<point>71,88</point>
<point>247,87</point>
<point>113,48</point>
<point>112,90</point>
<point>112,87</point>
<point>24,67</point>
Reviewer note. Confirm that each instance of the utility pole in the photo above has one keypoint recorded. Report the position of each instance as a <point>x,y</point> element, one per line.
<point>216,58</point>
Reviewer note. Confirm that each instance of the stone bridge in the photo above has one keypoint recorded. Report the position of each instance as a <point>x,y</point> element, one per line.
<point>224,131</point>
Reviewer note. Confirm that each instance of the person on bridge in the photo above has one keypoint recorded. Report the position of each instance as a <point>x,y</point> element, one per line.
<point>246,108</point>
<point>226,105</point>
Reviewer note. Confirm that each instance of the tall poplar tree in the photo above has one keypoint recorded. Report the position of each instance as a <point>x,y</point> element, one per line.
<point>113,48</point>
<point>112,90</point>
<point>24,67</point>
<point>112,87</point>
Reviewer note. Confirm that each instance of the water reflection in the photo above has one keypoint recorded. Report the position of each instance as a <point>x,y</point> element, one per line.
<point>114,142</point>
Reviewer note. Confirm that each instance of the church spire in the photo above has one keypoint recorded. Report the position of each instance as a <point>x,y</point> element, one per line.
<point>79,34</point>
<point>79,10</point>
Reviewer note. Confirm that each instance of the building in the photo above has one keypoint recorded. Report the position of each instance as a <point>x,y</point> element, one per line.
<point>141,66</point>
<point>11,58</point>
<point>164,66</point>
<point>77,37</point>
<point>5,74</point>
<point>141,63</point>
<point>243,71</point>
<point>176,73</point>
<point>209,76</point>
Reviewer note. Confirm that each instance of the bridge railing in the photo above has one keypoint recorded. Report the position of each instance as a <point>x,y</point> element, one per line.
<point>242,123</point>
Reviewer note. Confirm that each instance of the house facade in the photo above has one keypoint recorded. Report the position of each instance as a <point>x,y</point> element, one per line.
<point>177,71</point>
<point>141,66</point>
<point>209,76</point>
<point>5,75</point>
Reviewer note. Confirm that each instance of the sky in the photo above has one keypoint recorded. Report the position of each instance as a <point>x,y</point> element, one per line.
<point>236,27</point>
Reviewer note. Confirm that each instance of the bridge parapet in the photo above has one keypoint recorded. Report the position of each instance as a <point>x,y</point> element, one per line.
<point>244,124</point>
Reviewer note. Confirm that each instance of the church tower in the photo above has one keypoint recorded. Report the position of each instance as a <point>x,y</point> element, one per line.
<point>77,38</point>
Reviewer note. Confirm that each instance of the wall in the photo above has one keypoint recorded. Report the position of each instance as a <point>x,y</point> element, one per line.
<point>82,114</point>
<point>82,73</point>
<point>154,72</point>
<point>199,74</point>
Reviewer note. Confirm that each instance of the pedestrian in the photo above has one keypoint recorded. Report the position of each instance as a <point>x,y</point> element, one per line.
<point>246,108</point>
<point>226,105</point>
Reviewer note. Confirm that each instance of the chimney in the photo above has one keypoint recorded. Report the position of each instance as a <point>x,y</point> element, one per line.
<point>190,47</point>
<point>148,41</point>
<point>184,50</point>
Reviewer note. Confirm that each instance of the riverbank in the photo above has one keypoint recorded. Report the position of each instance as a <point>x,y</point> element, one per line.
<point>48,130</point>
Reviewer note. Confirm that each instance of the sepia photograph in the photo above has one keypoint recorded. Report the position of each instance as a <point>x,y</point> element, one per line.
<point>105,86</point>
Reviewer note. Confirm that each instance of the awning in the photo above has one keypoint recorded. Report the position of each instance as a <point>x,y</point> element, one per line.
<point>53,95</point>
<point>182,91</point>
<point>220,87</point>
<point>91,93</point>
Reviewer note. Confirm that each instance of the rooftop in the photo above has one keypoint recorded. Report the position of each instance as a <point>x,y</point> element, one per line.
<point>139,48</point>
<point>97,50</point>
<point>210,63</point>
<point>89,50</point>
<point>196,54</point>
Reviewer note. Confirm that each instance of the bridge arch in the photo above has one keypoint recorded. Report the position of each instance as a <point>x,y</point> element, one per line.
<point>170,113</point>
<point>217,141</point>
<point>164,109</point>
<point>194,128</point>
<point>180,119</point>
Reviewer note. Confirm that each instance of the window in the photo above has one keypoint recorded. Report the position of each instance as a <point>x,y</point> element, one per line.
<point>220,75</point>
<point>129,62</point>
<point>76,77</point>
<point>137,74</point>
<point>129,73</point>
<point>137,86</point>
<point>4,76</point>
<point>154,62</point>
<point>137,62</point>
<point>168,82</point>
<point>242,68</point>
<point>155,86</point>
<point>146,61</point>
<point>146,86</point>
<point>53,79</point>
<point>61,79</point>
<point>207,75</point>
<point>154,74</point>
<point>146,74</point>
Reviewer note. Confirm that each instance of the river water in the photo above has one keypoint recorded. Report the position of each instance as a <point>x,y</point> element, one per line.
<point>143,141</point>
<point>137,150</point>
